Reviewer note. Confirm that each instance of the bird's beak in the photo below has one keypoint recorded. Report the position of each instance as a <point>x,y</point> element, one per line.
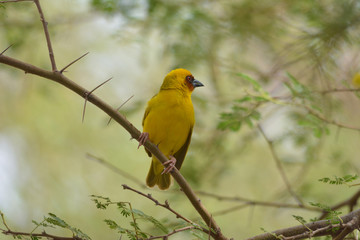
<point>197,83</point>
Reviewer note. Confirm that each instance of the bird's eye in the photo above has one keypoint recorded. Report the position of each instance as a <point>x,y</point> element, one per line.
<point>188,78</point>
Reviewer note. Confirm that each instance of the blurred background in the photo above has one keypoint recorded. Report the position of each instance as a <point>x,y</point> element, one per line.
<point>44,146</point>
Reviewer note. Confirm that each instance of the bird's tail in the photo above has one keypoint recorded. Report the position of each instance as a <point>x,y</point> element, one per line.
<point>155,177</point>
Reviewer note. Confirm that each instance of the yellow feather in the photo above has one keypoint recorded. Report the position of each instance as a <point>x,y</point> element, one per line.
<point>356,80</point>
<point>169,119</point>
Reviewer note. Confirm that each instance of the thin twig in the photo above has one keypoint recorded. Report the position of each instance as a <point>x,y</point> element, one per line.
<point>171,233</point>
<point>3,220</point>
<point>280,167</point>
<point>5,49</point>
<point>322,118</point>
<point>47,35</point>
<point>165,205</point>
<point>62,70</point>
<point>134,220</point>
<point>117,109</point>
<point>87,94</point>
<point>339,90</point>
<point>230,209</point>
<point>12,1</point>
<point>43,235</point>
<point>8,231</point>
<point>116,170</point>
<point>251,202</point>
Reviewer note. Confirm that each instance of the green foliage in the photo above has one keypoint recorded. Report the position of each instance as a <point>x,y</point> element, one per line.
<point>127,211</point>
<point>244,110</point>
<point>300,219</point>
<point>54,221</point>
<point>339,180</point>
<point>318,127</point>
<point>298,90</point>
<point>332,215</point>
<point>240,114</point>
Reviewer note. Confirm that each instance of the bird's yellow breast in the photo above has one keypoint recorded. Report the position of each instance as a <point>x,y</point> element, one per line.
<point>169,120</point>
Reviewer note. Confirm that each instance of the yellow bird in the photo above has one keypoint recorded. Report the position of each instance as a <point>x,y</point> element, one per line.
<point>168,122</point>
<point>356,80</point>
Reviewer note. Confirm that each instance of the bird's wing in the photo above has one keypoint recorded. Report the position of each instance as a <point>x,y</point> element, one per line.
<point>180,155</point>
<point>147,110</point>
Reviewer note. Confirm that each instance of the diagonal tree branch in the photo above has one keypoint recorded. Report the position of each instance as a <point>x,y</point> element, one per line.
<point>134,132</point>
<point>47,35</point>
<point>280,167</point>
<point>314,229</point>
<point>12,1</point>
<point>165,205</point>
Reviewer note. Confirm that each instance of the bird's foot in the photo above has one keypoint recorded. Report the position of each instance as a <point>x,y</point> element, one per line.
<point>169,165</point>
<point>142,138</point>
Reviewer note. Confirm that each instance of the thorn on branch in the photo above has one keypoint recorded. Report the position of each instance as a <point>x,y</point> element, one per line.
<point>62,70</point>
<point>87,94</point>
<point>6,49</point>
<point>117,109</point>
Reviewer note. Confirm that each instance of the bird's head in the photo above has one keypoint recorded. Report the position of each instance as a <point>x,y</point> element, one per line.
<point>180,79</point>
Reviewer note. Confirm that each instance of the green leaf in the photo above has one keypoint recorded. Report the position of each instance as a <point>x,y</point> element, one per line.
<point>112,224</point>
<point>339,180</point>
<point>253,82</point>
<point>300,219</point>
<point>101,202</point>
<point>56,221</point>
<point>151,219</point>
<point>53,219</point>
<point>244,99</point>
<point>299,90</point>
<point>333,215</point>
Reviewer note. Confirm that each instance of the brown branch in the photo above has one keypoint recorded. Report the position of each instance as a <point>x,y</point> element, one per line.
<point>134,132</point>
<point>280,167</point>
<point>47,35</point>
<point>349,227</point>
<point>62,70</point>
<point>165,205</point>
<point>314,229</point>
<point>12,1</point>
<point>8,231</point>
<point>43,234</point>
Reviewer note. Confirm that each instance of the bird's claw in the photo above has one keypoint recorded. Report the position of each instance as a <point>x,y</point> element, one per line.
<point>170,165</point>
<point>144,136</point>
